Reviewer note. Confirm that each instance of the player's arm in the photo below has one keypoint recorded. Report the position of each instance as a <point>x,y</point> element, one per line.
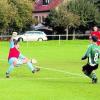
<point>87,53</point>
<point>91,33</point>
<point>12,40</point>
<point>84,57</point>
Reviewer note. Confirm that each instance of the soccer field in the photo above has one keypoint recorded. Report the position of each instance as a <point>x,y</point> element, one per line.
<point>60,77</point>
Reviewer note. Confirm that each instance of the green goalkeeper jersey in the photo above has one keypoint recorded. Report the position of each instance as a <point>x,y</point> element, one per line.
<point>92,54</point>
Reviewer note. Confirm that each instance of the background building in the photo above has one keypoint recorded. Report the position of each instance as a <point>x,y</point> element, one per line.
<point>43,7</point>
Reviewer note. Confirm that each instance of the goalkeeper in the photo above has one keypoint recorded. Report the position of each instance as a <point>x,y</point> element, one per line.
<point>15,58</point>
<point>92,54</point>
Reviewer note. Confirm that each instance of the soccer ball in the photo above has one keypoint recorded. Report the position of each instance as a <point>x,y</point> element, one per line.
<point>34,61</point>
<point>14,34</point>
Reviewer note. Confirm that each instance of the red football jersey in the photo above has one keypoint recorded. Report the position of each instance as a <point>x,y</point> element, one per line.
<point>13,53</point>
<point>97,34</point>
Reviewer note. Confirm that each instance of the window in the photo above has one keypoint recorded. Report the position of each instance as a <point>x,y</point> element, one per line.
<point>46,2</point>
<point>43,18</point>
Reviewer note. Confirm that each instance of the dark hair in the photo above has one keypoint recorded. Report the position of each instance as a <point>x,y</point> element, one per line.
<point>15,41</point>
<point>94,39</point>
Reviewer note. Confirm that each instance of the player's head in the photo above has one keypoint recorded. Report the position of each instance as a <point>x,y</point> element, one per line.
<point>14,34</point>
<point>94,39</point>
<point>16,43</point>
<point>95,28</point>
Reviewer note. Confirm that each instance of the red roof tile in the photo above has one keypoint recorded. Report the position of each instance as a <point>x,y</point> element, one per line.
<point>51,5</point>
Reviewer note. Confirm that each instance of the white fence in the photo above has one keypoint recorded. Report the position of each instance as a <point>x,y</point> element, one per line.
<point>55,37</point>
<point>68,37</point>
<point>59,38</point>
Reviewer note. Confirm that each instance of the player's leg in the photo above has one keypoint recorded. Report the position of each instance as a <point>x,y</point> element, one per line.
<point>25,60</point>
<point>93,74</point>
<point>94,77</point>
<point>11,67</point>
<point>32,67</point>
<point>86,70</point>
<point>12,62</point>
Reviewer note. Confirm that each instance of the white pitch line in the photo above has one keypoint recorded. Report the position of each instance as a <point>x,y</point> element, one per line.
<point>56,70</point>
<point>62,71</point>
<point>3,60</point>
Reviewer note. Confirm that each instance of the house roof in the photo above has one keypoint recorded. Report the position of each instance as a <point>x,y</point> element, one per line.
<point>40,7</point>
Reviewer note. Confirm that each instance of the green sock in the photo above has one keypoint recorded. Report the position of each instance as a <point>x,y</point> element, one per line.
<point>92,75</point>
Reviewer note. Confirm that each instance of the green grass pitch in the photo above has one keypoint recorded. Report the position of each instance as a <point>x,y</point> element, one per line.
<point>60,77</point>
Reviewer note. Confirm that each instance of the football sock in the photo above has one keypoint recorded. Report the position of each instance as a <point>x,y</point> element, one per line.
<point>11,67</point>
<point>19,62</point>
<point>30,66</point>
<point>93,76</point>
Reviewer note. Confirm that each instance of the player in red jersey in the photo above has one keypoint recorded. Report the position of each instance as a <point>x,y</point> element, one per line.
<point>15,58</point>
<point>96,33</point>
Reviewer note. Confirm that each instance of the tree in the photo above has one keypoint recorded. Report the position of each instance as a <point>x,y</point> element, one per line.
<point>97,3</point>
<point>62,18</point>
<point>97,14</point>
<point>15,15</point>
<point>97,19</point>
<point>23,17</point>
<point>86,9</point>
<point>7,13</point>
